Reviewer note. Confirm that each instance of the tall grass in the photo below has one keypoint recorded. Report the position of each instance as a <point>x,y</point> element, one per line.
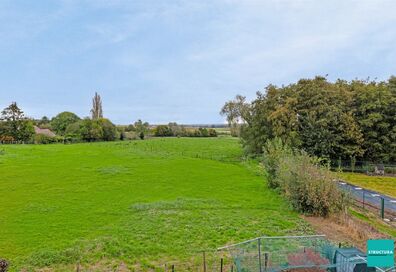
<point>302,179</point>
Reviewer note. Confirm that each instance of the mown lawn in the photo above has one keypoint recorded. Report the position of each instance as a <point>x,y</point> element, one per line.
<point>139,202</point>
<point>385,185</point>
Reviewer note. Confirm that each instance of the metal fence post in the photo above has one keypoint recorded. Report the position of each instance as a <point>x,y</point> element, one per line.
<point>364,194</point>
<point>382,208</point>
<point>259,253</point>
<point>221,265</point>
<point>204,261</point>
<point>265,261</point>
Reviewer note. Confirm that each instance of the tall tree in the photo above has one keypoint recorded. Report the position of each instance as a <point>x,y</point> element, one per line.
<point>96,111</point>
<point>235,110</point>
<point>12,113</point>
<point>391,113</point>
<point>142,128</point>
<point>375,112</point>
<point>15,124</point>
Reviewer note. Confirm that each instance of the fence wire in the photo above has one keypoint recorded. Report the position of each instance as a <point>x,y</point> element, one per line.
<point>296,253</point>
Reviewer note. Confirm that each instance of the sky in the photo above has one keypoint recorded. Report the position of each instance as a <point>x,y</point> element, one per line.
<point>169,60</point>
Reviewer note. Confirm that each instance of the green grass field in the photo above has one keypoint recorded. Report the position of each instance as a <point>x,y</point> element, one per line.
<point>139,202</point>
<point>385,185</point>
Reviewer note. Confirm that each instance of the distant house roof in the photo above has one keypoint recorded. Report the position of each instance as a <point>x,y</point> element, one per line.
<point>44,131</point>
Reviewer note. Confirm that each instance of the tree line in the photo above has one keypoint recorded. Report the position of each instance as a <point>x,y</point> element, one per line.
<point>69,127</point>
<point>16,127</point>
<point>175,130</point>
<point>346,120</point>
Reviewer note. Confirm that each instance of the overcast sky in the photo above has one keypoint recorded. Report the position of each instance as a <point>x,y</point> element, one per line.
<point>180,61</point>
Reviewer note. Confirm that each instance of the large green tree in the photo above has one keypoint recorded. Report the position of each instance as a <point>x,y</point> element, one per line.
<point>391,115</point>
<point>92,130</point>
<point>108,128</point>
<point>375,105</point>
<point>327,119</point>
<point>60,122</point>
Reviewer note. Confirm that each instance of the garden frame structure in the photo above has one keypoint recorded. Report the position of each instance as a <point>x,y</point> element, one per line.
<point>296,253</point>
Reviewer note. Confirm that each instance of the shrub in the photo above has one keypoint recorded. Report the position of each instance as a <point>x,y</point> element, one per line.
<point>43,139</point>
<point>307,184</point>
<point>72,138</point>
<point>130,135</point>
<point>176,130</point>
<point>274,152</point>
<point>163,131</point>
<point>203,132</point>
<point>212,132</point>
<point>60,122</point>
<point>108,128</point>
<point>92,130</point>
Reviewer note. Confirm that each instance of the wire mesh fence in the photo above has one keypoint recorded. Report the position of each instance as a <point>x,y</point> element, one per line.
<point>280,253</point>
<point>367,167</point>
<point>296,253</point>
<point>382,205</point>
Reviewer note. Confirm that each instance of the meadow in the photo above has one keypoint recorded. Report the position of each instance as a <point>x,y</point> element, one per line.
<point>140,203</point>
